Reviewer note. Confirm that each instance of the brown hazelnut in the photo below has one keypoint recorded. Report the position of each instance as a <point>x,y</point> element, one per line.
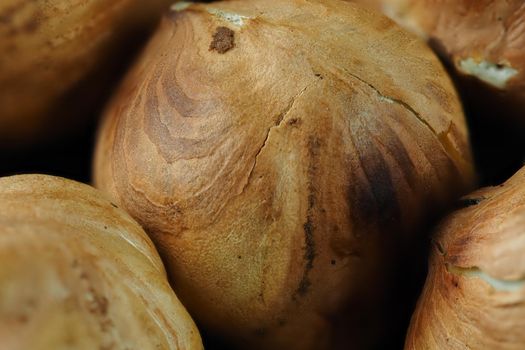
<point>76,272</point>
<point>474,296</point>
<point>484,40</point>
<point>278,163</point>
<point>57,56</point>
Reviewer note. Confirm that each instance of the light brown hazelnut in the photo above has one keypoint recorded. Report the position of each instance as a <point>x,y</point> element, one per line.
<point>279,153</point>
<point>474,296</point>
<point>76,272</point>
<point>57,56</point>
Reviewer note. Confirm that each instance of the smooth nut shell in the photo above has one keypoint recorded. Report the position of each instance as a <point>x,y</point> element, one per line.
<point>278,173</point>
<point>474,296</point>
<point>76,272</point>
<point>51,48</point>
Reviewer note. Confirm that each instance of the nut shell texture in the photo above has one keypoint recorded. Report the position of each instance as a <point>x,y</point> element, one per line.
<point>484,39</point>
<point>50,47</point>
<point>474,296</point>
<point>272,176</point>
<point>78,273</point>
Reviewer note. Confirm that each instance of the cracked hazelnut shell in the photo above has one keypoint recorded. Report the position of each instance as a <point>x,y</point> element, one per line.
<point>484,40</point>
<point>76,272</point>
<point>57,57</point>
<point>474,296</point>
<point>278,164</point>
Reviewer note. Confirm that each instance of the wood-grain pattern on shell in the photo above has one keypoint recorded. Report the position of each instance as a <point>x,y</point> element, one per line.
<point>267,174</point>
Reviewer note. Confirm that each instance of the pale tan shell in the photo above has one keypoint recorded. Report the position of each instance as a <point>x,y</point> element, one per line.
<point>278,171</point>
<point>50,47</point>
<point>76,272</point>
<point>474,296</point>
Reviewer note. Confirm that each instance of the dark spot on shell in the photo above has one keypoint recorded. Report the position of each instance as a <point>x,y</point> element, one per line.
<point>332,262</point>
<point>31,25</point>
<point>223,40</point>
<point>311,201</point>
<point>239,257</point>
<point>454,281</point>
<point>293,121</point>
<point>309,256</point>
<point>314,145</point>
<point>103,305</point>
<point>469,202</point>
